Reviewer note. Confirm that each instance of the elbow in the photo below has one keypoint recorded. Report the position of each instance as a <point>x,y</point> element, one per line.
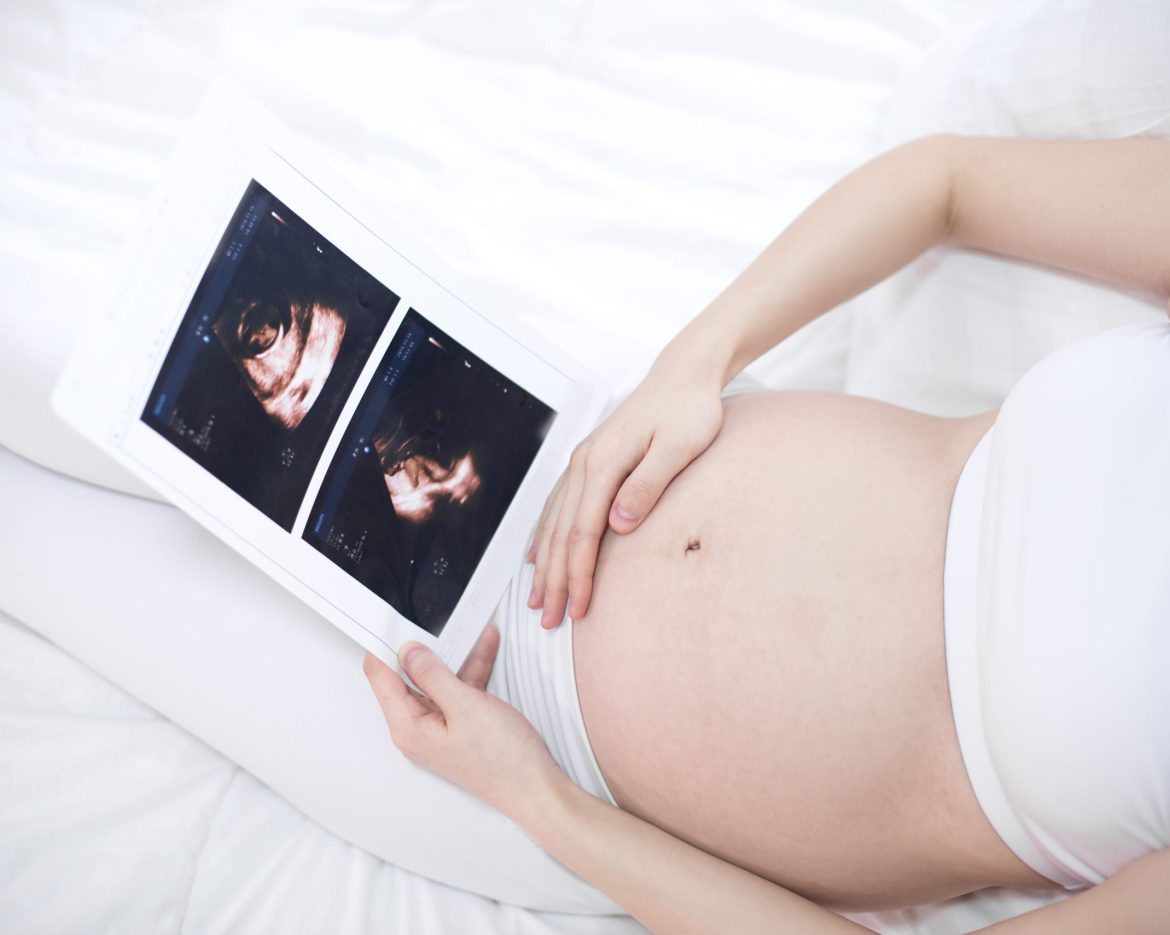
<point>938,157</point>
<point>945,146</point>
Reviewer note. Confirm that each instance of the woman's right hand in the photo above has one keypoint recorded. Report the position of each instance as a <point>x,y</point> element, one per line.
<point>615,477</point>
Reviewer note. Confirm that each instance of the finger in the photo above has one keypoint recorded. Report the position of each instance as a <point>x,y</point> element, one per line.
<point>557,577</point>
<point>540,542</point>
<point>597,495</point>
<point>640,491</point>
<point>430,674</point>
<point>543,541</point>
<point>399,704</point>
<point>553,498</point>
<point>477,668</point>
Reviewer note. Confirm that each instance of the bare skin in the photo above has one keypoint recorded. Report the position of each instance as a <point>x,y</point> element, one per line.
<point>761,670</point>
<point>761,662</point>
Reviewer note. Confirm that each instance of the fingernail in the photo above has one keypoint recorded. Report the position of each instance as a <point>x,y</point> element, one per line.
<point>534,599</point>
<point>623,514</point>
<point>546,619</point>
<point>406,650</point>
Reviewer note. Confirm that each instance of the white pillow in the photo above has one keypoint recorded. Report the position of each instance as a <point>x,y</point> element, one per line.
<point>952,332</point>
<point>1095,69</point>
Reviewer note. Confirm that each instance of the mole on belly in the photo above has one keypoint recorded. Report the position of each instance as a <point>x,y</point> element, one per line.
<point>693,545</point>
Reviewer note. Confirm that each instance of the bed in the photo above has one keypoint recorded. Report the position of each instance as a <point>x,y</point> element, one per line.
<point>601,169</point>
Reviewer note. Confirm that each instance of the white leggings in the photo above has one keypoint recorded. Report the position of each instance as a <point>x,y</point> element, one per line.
<point>140,593</point>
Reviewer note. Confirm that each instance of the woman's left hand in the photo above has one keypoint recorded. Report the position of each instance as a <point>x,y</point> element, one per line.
<point>458,730</point>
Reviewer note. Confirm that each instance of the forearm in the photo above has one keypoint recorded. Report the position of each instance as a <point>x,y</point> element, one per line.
<point>1100,208</point>
<point>1135,901</point>
<point>667,884</point>
<point>863,229</point>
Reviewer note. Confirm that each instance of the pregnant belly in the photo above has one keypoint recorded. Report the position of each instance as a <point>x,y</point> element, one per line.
<point>762,669</point>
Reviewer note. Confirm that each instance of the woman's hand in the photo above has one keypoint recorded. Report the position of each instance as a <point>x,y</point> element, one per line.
<point>615,477</point>
<point>458,730</point>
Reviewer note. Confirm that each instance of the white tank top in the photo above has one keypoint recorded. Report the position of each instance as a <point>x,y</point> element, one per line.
<point>1057,605</point>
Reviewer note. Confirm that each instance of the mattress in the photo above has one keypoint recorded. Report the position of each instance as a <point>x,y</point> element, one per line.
<point>600,168</point>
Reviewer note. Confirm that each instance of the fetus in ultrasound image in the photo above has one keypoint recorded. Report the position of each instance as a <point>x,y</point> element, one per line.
<point>426,470</point>
<point>280,326</point>
<point>284,347</point>
<point>419,467</point>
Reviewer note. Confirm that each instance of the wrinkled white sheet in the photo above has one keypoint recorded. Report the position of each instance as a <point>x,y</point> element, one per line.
<point>601,168</point>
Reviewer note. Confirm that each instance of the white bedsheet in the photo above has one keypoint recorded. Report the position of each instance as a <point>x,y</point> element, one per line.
<point>114,819</point>
<point>602,168</point>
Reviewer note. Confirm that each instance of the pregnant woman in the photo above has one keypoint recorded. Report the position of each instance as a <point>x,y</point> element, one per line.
<point>827,652</point>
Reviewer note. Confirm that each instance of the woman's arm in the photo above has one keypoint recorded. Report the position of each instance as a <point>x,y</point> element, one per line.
<point>1100,208</point>
<point>665,883</point>
<point>1136,901</point>
<point>482,744</point>
<point>670,886</point>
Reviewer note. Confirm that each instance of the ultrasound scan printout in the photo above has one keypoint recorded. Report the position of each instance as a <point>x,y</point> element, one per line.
<point>285,362</point>
<point>426,470</point>
<point>279,328</point>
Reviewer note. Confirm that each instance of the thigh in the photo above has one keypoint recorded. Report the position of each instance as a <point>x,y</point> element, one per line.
<point>140,593</point>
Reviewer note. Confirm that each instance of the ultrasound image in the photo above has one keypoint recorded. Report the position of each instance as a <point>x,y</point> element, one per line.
<point>427,468</point>
<point>280,326</point>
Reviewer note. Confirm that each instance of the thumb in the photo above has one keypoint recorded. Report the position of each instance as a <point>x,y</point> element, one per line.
<point>640,492</point>
<point>429,673</point>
